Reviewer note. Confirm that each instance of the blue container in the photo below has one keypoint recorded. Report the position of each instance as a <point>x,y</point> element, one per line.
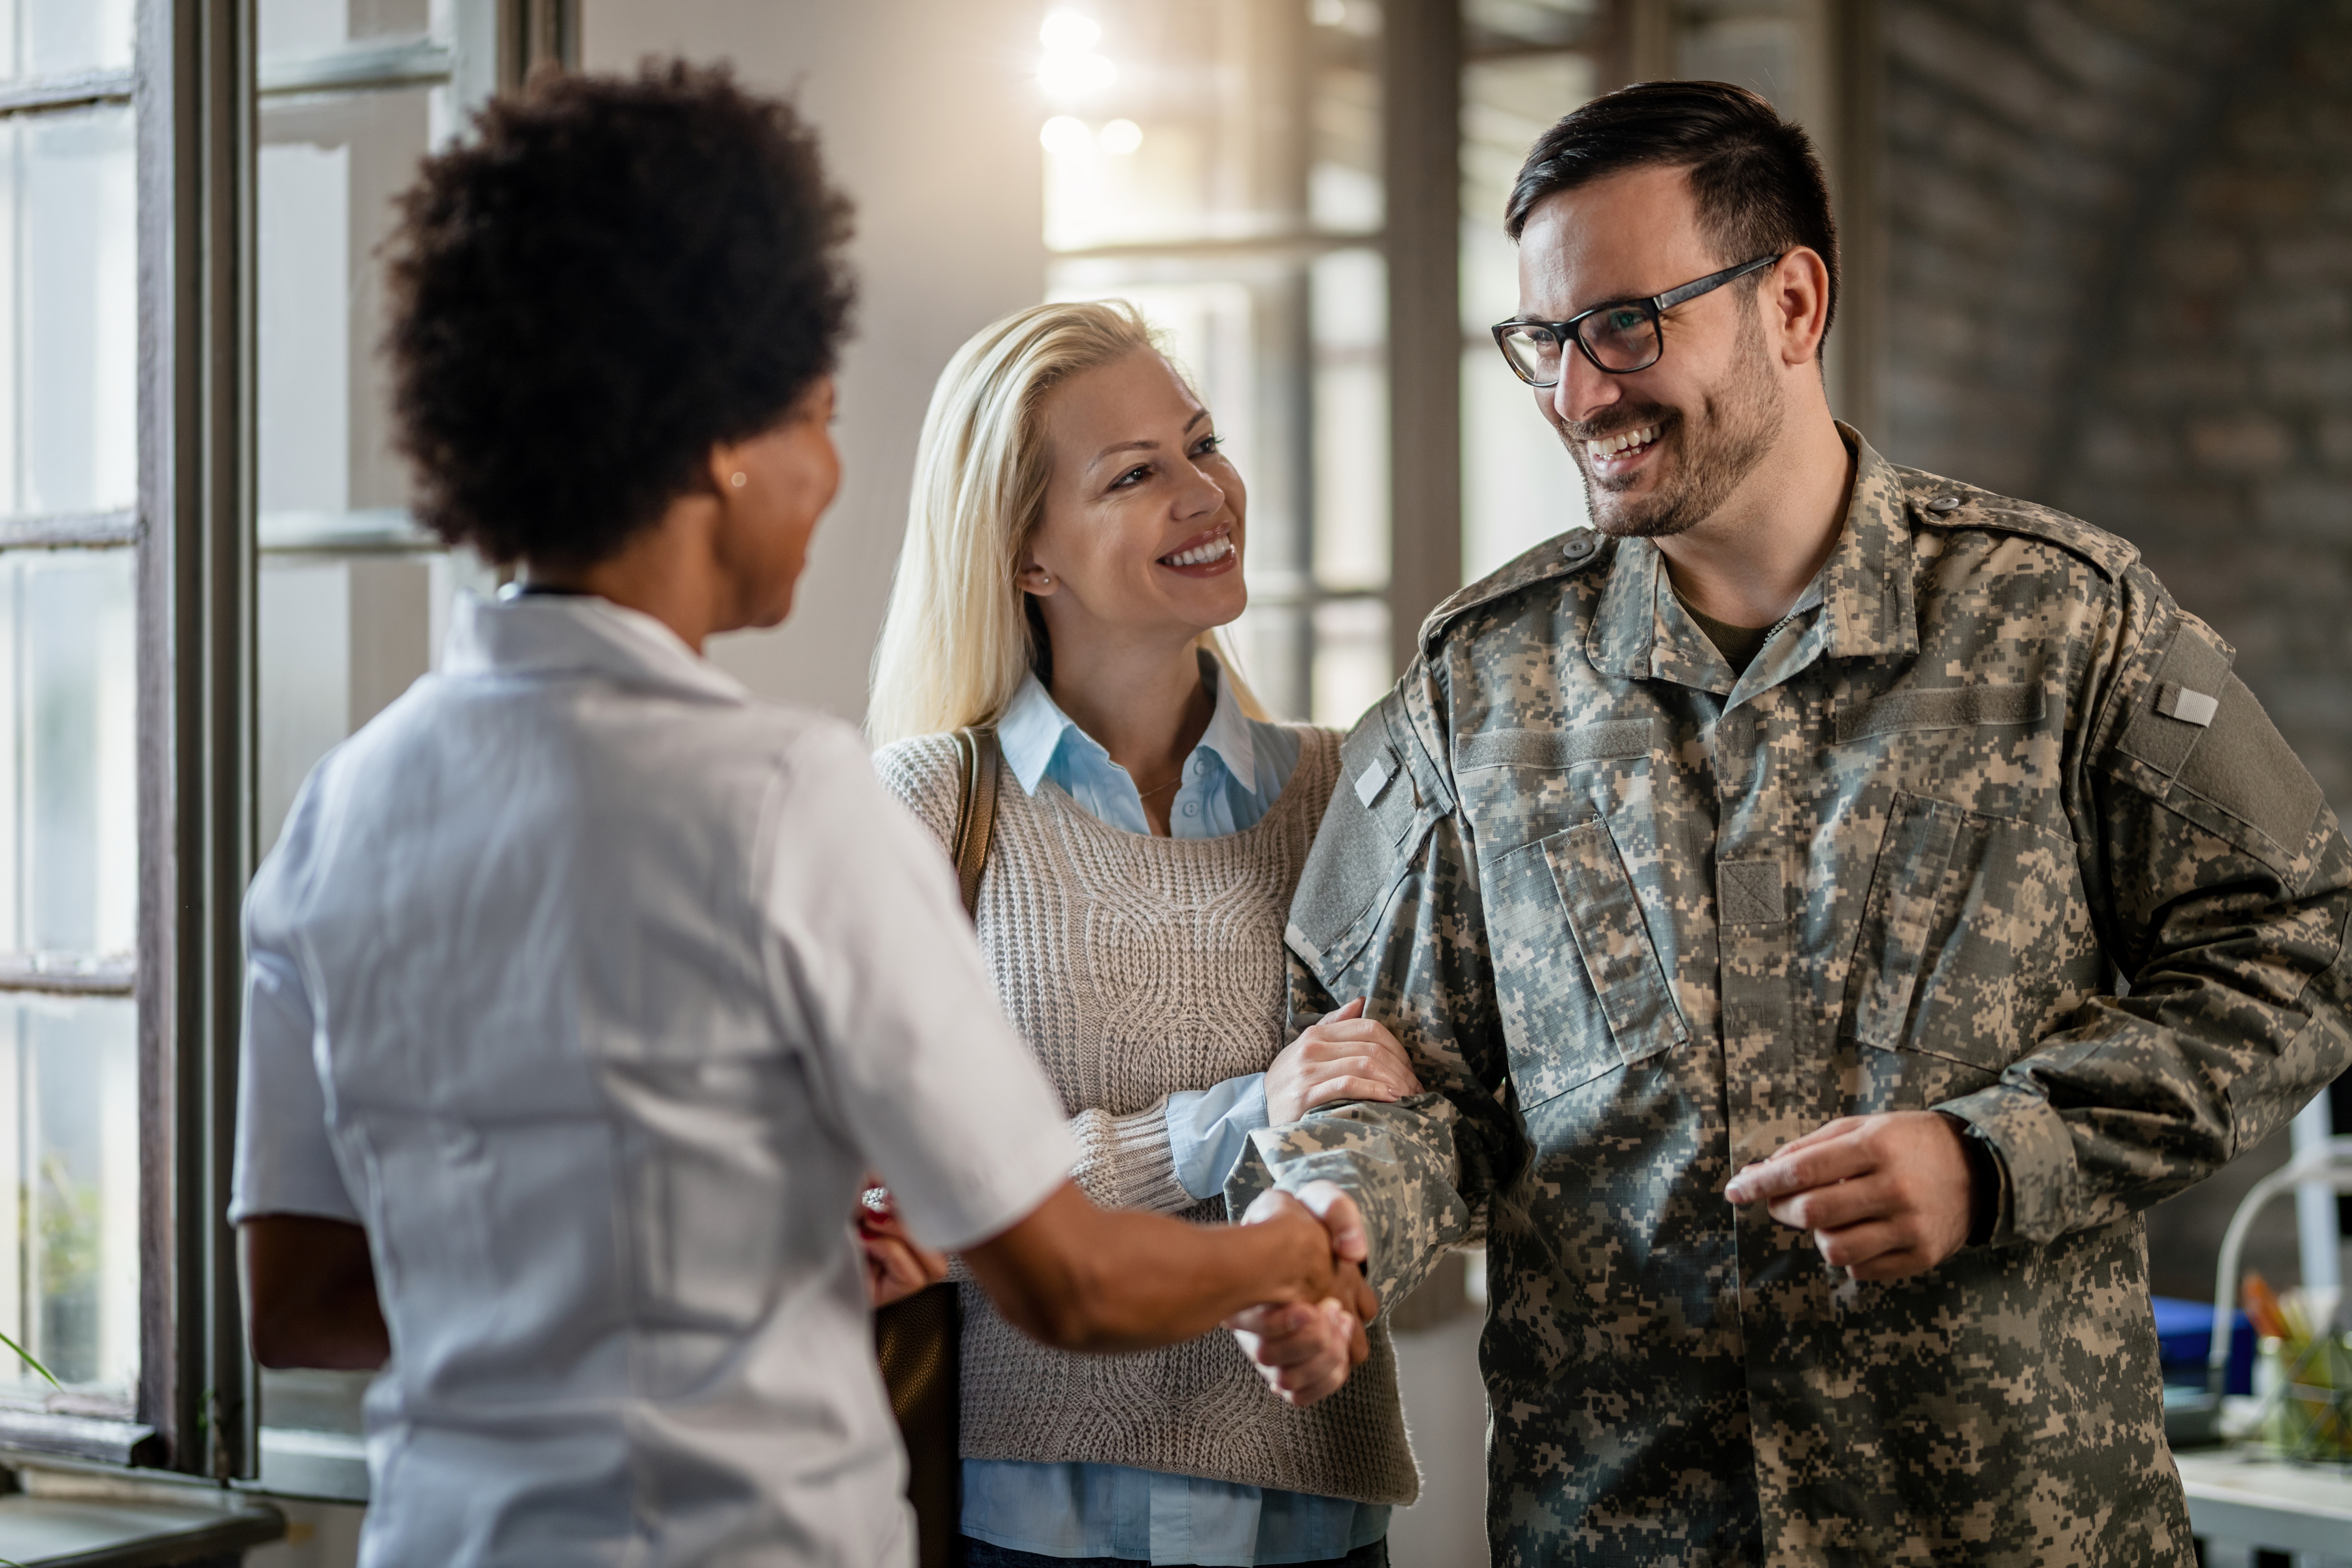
<point>2184,1337</point>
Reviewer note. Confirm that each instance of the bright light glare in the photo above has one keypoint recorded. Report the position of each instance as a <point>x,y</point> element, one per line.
<point>1068,33</point>
<point>1068,77</point>
<point>1066,137</point>
<point>1121,137</point>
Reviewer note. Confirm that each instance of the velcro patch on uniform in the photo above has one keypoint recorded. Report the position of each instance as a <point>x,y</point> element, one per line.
<point>2175,700</point>
<point>1942,708</point>
<point>2244,766</point>
<point>1360,850</point>
<point>1607,740</point>
<point>2193,661</point>
<point>1750,892</point>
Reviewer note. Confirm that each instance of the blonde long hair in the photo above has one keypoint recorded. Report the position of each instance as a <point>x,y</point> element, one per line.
<point>958,639</point>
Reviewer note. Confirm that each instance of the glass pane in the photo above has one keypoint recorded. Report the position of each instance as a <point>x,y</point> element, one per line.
<point>69,1238</point>
<point>311,26</point>
<point>1171,120</point>
<point>62,37</point>
<point>330,168</point>
<point>68,767</point>
<point>1351,420</point>
<point>1343,178</point>
<point>1275,644</point>
<point>1506,105</point>
<point>1760,45</point>
<point>1500,25</point>
<point>68,313</point>
<point>1352,668</point>
<point>339,639</point>
<point>1519,486</point>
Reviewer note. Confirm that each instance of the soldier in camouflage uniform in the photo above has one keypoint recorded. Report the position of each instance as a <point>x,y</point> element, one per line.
<point>1646,918</point>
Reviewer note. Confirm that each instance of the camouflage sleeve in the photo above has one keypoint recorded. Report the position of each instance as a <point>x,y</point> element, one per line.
<point>2221,887</point>
<point>1388,909</point>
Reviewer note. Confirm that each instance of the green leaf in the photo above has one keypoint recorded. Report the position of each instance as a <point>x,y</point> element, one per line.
<point>34,1361</point>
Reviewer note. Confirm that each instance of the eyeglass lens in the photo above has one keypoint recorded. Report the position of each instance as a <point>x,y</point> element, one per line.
<point>1621,338</point>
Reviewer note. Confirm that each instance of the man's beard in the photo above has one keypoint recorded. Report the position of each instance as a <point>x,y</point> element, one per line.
<point>1736,425</point>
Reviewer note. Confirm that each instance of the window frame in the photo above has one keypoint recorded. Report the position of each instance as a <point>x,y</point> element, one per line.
<point>195,88</point>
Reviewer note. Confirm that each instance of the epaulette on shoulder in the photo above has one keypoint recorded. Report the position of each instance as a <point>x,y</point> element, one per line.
<point>1948,504</point>
<point>1577,550</point>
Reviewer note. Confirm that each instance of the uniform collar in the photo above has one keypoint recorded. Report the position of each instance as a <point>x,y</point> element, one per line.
<point>579,634</point>
<point>1035,730</point>
<point>1865,589</point>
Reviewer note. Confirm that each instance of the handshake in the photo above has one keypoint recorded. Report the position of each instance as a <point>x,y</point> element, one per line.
<point>1294,1265</point>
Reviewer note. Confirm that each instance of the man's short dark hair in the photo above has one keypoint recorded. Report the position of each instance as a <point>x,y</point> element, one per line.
<point>610,277</point>
<point>1759,185</point>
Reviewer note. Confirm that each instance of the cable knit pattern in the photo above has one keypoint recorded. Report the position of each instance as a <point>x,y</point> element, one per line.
<point>1136,967</point>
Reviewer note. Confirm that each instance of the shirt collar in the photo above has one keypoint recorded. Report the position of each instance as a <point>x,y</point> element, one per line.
<point>579,634</point>
<point>1034,730</point>
<point>1865,589</point>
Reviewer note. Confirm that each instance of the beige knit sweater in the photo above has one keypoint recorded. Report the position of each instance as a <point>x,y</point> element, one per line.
<point>1135,967</point>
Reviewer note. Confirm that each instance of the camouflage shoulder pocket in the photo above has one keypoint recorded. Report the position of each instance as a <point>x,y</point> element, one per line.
<point>1387,797</point>
<point>2198,740</point>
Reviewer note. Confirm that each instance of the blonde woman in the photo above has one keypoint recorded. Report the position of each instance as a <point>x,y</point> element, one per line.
<point>1076,539</point>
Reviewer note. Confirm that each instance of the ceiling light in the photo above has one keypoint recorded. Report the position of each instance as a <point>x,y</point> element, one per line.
<point>1121,137</point>
<point>1068,33</point>
<point>1065,77</point>
<point>1066,137</point>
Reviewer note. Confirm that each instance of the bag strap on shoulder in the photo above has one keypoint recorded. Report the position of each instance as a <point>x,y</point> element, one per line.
<point>976,814</point>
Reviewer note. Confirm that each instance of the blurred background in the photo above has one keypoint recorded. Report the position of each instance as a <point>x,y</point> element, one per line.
<point>2097,253</point>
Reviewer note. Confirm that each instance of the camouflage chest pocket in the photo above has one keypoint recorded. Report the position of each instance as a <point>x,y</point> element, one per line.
<point>1974,939</point>
<point>1577,975</point>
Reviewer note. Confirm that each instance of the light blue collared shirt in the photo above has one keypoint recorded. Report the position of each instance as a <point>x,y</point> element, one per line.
<point>1230,780</point>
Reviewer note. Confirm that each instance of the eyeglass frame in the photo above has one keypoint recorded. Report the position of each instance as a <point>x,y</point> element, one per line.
<point>1655,307</point>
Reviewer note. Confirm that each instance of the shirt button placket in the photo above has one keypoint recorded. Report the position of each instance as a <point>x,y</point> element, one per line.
<point>1753,931</point>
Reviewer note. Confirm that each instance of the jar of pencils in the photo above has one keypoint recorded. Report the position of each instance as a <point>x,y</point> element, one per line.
<point>2302,1375</point>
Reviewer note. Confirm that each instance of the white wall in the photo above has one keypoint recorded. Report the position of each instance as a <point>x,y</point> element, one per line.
<point>929,118</point>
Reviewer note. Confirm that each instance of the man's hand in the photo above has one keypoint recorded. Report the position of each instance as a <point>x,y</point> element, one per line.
<point>1081,1278</point>
<point>1306,1351</point>
<point>1343,1055</point>
<point>896,1266</point>
<point>1885,1197</point>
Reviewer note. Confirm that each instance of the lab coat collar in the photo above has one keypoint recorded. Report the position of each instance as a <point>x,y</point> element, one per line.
<point>579,634</point>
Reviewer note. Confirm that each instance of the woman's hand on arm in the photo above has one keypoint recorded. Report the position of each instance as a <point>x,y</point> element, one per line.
<point>1343,1055</point>
<point>310,1294</point>
<point>1079,1277</point>
<point>897,1266</point>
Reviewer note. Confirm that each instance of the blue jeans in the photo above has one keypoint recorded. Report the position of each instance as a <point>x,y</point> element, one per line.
<point>982,1555</point>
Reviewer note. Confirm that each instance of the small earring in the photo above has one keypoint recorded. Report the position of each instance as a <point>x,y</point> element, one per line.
<point>739,478</point>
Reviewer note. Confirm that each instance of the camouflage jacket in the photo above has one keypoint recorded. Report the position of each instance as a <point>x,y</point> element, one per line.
<point>1641,922</point>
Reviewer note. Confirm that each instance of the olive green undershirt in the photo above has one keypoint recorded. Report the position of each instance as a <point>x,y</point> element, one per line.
<point>1739,645</point>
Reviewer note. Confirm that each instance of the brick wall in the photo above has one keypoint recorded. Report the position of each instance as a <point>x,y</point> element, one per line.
<point>2120,281</point>
<point>2024,142</point>
<point>2219,434</point>
<point>2119,257</point>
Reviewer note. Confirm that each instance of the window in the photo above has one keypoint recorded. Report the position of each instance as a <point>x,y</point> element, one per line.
<point>207,578</point>
<point>1221,167</point>
<point>352,597</point>
<point>1525,63</point>
<point>69,1071</point>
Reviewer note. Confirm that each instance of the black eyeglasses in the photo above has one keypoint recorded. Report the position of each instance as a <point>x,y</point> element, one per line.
<point>1620,337</point>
